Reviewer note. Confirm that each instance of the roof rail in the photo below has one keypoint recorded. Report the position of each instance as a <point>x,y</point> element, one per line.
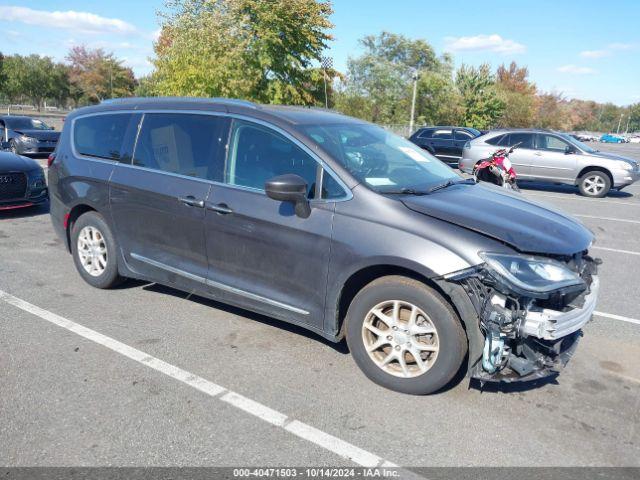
<point>226,101</point>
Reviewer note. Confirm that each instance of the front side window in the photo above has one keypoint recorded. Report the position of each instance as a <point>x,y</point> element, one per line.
<point>258,154</point>
<point>463,135</point>
<point>185,144</point>
<point>101,136</point>
<point>331,189</point>
<point>551,143</point>
<point>383,161</point>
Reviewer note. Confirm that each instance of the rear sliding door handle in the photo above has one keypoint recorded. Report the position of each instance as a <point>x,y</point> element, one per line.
<point>221,208</point>
<point>191,201</point>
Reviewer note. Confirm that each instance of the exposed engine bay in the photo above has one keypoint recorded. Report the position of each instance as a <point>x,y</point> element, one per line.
<point>529,335</point>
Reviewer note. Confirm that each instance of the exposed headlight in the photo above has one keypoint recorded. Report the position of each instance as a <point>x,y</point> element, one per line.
<point>26,139</point>
<point>36,178</point>
<point>624,165</point>
<point>533,274</point>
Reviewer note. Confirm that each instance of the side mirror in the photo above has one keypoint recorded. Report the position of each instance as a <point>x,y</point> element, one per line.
<point>568,150</point>
<point>52,128</point>
<point>290,188</point>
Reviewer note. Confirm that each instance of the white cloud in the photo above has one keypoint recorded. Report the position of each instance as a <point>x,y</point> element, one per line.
<point>594,53</point>
<point>70,20</point>
<point>576,70</point>
<point>492,43</point>
<point>621,46</point>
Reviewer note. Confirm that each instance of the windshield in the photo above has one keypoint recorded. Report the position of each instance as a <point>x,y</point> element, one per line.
<point>26,124</point>
<point>578,143</point>
<point>383,161</point>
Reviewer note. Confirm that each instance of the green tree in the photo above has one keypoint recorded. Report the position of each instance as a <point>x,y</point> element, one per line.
<point>378,85</point>
<point>481,106</point>
<point>254,49</point>
<point>95,75</point>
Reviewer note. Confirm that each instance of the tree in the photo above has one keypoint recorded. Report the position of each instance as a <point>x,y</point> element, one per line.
<point>95,75</point>
<point>481,105</point>
<point>3,75</point>
<point>518,95</point>
<point>254,49</point>
<point>551,112</point>
<point>379,82</point>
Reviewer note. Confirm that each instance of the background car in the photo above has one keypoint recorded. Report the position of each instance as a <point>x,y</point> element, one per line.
<point>27,135</point>
<point>22,182</point>
<point>611,138</point>
<point>444,142</point>
<point>548,156</point>
<point>634,139</point>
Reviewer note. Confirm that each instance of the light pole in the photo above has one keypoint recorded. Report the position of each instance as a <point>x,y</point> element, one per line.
<point>326,63</point>
<point>620,122</point>
<point>414,76</point>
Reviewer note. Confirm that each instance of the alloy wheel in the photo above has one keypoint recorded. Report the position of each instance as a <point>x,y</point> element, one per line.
<point>92,251</point>
<point>594,184</point>
<point>400,338</point>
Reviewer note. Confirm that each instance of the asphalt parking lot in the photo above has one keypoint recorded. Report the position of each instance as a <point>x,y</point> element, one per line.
<point>146,375</point>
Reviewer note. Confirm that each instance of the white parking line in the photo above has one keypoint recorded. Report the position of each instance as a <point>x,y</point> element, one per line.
<point>613,219</point>
<point>328,442</point>
<point>584,199</point>
<point>617,317</point>
<point>628,252</point>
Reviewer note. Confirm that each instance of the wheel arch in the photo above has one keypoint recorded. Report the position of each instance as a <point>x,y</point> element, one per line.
<point>586,170</point>
<point>73,215</point>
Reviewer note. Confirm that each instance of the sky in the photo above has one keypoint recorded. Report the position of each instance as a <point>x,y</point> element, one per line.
<point>584,49</point>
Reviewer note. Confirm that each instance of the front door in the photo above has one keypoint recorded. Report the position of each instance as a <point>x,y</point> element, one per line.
<point>550,161</point>
<point>260,253</point>
<point>158,200</point>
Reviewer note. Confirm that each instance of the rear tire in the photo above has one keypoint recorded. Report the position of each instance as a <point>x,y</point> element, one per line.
<point>411,321</point>
<point>594,184</point>
<point>94,251</point>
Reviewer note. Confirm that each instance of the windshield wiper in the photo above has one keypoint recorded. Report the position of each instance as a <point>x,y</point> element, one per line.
<point>405,191</point>
<point>449,183</point>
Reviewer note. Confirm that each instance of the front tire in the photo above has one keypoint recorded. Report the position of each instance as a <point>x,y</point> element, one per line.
<point>13,146</point>
<point>595,184</point>
<point>94,251</point>
<point>404,336</point>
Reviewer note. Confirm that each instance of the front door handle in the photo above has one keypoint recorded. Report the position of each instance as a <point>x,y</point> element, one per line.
<point>191,201</point>
<point>221,208</point>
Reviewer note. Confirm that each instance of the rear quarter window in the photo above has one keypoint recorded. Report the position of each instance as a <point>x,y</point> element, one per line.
<point>500,140</point>
<point>101,136</point>
<point>426,133</point>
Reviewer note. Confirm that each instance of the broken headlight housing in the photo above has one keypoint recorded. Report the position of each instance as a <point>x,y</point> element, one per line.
<point>531,274</point>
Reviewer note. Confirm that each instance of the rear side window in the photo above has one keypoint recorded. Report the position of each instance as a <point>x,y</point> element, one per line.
<point>101,136</point>
<point>500,140</point>
<point>426,133</point>
<point>442,134</point>
<point>186,144</point>
<point>524,139</point>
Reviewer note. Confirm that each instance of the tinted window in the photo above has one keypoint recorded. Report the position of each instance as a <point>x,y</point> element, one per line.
<point>185,144</point>
<point>550,142</point>
<point>463,135</point>
<point>100,136</point>
<point>524,139</point>
<point>259,154</point>
<point>498,140</point>
<point>23,123</point>
<point>426,133</point>
<point>330,187</point>
<point>442,134</point>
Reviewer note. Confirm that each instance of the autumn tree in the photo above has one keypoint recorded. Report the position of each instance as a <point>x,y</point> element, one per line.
<point>518,95</point>
<point>95,75</point>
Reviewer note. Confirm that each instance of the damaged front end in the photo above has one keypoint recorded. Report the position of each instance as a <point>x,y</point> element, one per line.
<point>530,311</point>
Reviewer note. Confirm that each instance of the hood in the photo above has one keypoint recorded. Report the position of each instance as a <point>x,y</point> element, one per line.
<point>527,226</point>
<point>10,162</point>
<point>39,134</point>
<point>613,156</point>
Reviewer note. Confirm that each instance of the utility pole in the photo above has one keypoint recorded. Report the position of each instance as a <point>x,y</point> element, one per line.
<point>619,123</point>
<point>628,120</point>
<point>110,81</point>
<point>414,76</point>
<point>326,63</point>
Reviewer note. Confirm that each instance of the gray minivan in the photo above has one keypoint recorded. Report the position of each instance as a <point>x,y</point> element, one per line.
<point>548,156</point>
<point>330,223</point>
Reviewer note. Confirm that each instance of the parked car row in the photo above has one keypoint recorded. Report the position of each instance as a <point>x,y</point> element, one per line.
<point>541,155</point>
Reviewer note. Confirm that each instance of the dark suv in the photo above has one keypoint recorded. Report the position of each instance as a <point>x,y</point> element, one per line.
<point>446,143</point>
<point>327,222</point>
